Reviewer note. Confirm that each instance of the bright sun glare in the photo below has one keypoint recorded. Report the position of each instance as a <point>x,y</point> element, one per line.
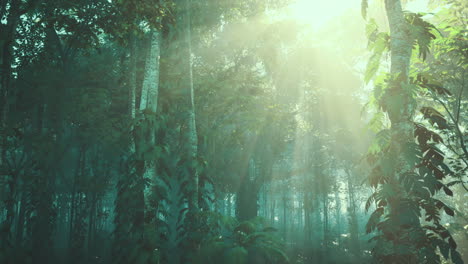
<point>319,12</point>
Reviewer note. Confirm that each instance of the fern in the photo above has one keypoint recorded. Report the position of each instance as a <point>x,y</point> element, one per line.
<point>238,243</point>
<point>169,195</point>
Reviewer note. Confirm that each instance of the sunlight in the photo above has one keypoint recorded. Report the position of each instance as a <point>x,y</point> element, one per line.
<point>233,131</point>
<point>317,13</point>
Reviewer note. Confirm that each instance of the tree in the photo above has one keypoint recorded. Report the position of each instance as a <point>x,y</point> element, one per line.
<point>402,162</point>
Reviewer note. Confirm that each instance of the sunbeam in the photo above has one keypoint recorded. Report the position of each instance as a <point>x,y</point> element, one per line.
<point>233,131</point>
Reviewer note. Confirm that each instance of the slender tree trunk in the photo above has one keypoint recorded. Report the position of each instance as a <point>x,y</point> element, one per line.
<point>300,215</point>
<point>307,224</point>
<point>10,206</point>
<point>78,230</point>
<point>9,32</point>
<point>91,225</point>
<point>9,36</point>
<point>285,212</point>
<point>353,221</point>
<point>265,201</point>
<point>222,207</point>
<point>317,221</point>
<point>71,219</point>
<point>325,220</point>
<point>272,211</point>
<point>338,212</point>
<point>132,82</point>
<point>20,222</point>
<point>229,204</point>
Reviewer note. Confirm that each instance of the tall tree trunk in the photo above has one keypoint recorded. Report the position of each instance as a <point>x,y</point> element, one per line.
<point>317,220</point>
<point>78,227</point>
<point>355,247</point>
<point>300,215</point>
<point>73,200</point>
<point>132,81</point>
<point>229,204</point>
<point>285,211</point>
<point>247,201</point>
<point>43,194</point>
<point>338,212</point>
<point>21,220</point>
<point>272,211</point>
<point>307,209</point>
<point>129,217</point>
<point>8,33</point>
<point>190,143</point>
<point>91,225</point>
<point>400,107</point>
<point>150,89</point>
<point>325,221</point>
<point>145,136</point>
<point>247,195</point>
<point>222,203</point>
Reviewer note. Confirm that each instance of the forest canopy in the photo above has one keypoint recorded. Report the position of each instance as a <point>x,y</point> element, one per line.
<point>233,131</point>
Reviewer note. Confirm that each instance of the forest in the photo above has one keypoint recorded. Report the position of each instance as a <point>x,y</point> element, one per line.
<point>233,131</point>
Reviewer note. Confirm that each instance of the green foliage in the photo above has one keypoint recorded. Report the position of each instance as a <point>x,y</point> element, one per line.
<point>421,31</point>
<point>434,117</point>
<point>83,181</point>
<point>407,176</point>
<point>378,43</point>
<point>419,184</point>
<point>245,242</point>
<point>380,142</point>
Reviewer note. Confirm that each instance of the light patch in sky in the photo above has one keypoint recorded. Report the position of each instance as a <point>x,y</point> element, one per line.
<point>417,6</point>
<point>319,12</point>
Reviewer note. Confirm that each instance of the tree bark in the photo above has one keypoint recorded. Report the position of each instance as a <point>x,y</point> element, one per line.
<point>150,89</point>
<point>325,220</point>
<point>355,247</point>
<point>191,137</point>
<point>247,195</point>
<point>7,34</point>
<point>146,138</point>
<point>400,106</point>
<point>307,209</point>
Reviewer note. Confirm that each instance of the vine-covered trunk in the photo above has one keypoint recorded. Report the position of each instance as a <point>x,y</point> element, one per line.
<point>145,131</point>
<point>190,138</point>
<point>402,234</point>
<point>129,217</point>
